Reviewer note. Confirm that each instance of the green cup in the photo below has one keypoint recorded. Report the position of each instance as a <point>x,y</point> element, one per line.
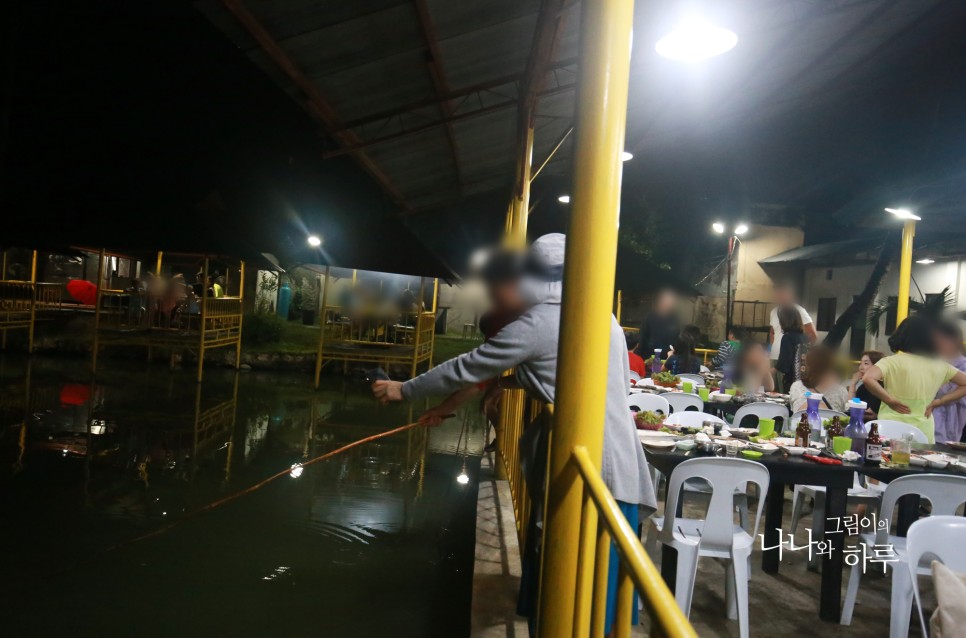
<point>704,393</point>
<point>687,386</point>
<point>731,391</point>
<point>841,444</point>
<point>766,427</point>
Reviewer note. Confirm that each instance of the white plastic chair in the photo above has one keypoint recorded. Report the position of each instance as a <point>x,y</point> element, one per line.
<point>945,493</point>
<point>693,419</point>
<point>634,376</point>
<point>649,402</point>
<point>941,538</point>
<point>681,401</point>
<point>762,410</point>
<point>896,429</point>
<point>696,379</point>
<point>717,536</point>
<point>704,368</point>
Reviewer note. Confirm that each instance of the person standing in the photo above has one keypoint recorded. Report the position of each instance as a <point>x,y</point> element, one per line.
<point>793,336</point>
<point>784,297</point>
<point>913,376</point>
<point>660,327</point>
<point>951,417</point>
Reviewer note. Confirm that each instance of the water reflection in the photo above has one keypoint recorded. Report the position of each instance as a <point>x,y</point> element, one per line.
<point>376,540</point>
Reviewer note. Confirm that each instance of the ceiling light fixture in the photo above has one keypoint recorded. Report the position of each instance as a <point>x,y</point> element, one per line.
<point>314,241</point>
<point>741,229</point>
<point>904,213</point>
<point>925,261</point>
<point>626,156</point>
<point>696,40</point>
<point>718,227</point>
<point>564,199</point>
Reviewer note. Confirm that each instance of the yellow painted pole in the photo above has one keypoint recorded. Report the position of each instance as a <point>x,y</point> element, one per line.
<point>33,302</point>
<point>520,207</point>
<point>419,319</point>
<point>620,300</point>
<point>585,320</point>
<point>241,312</point>
<point>157,266</point>
<point>33,267</point>
<point>905,270</point>
<point>318,354</point>
<point>97,312</point>
<point>432,340</point>
<point>204,314</point>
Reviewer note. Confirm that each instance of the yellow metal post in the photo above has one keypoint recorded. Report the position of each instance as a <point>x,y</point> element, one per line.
<point>520,207</point>
<point>318,354</point>
<point>620,300</point>
<point>905,270</point>
<point>157,267</point>
<point>432,341</point>
<point>588,296</point>
<point>33,302</point>
<point>204,314</point>
<point>419,317</point>
<point>97,312</point>
<point>241,312</point>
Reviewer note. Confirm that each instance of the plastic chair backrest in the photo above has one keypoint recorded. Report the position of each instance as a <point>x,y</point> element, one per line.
<point>692,419</point>
<point>649,402</point>
<point>635,376</point>
<point>696,379</point>
<point>823,414</point>
<point>679,401</point>
<point>943,491</point>
<point>941,537</point>
<point>762,410</point>
<point>896,429</point>
<point>725,476</point>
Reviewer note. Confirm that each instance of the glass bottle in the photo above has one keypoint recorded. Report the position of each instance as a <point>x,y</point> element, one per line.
<point>803,432</point>
<point>873,445</point>
<point>833,430</point>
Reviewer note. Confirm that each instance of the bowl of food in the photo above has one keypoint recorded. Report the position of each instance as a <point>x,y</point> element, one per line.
<point>666,379</point>
<point>720,397</point>
<point>647,420</point>
<point>754,455</point>
<point>794,450</point>
<point>936,461</point>
<point>764,448</point>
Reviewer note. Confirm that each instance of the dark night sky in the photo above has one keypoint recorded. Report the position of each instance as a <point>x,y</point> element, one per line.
<point>122,119</point>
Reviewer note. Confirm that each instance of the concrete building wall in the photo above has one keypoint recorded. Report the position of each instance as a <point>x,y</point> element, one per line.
<point>761,241</point>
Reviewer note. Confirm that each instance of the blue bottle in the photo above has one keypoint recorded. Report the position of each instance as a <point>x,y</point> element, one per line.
<point>657,366</point>
<point>856,428</point>
<point>812,400</point>
<point>284,300</point>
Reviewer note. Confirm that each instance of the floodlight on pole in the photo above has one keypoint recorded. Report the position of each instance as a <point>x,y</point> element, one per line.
<point>718,227</point>
<point>696,40</point>
<point>564,199</point>
<point>925,261</point>
<point>904,213</point>
<point>314,241</point>
<point>741,229</point>
<point>626,156</point>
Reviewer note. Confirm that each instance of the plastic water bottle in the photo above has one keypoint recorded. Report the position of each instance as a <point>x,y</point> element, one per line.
<point>812,400</point>
<point>656,367</point>
<point>856,428</point>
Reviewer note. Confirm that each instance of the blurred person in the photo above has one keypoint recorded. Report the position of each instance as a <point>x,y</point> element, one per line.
<point>728,348</point>
<point>950,418</point>
<point>660,326</point>
<point>784,296</point>
<point>530,344</point>
<point>793,336</point>
<point>635,360</point>
<point>857,389</point>
<point>684,360</point>
<point>752,369</point>
<point>913,377</point>
<point>820,375</point>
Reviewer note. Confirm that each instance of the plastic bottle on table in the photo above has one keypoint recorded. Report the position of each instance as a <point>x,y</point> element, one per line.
<point>656,366</point>
<point>812,399</point>
<point>856,428</point>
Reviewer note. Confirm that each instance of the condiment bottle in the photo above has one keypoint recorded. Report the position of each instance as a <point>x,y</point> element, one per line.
<point>802,432</point>
<point>873,445</point>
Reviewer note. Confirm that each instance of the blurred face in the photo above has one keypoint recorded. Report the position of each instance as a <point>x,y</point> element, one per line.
<point>948,347</point>
<point>865,363</point>
<point>784,297</point>
<point>505,296</point>
<point>666,302</point>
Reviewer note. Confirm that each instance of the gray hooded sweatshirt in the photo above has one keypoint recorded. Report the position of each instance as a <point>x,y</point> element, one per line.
<point>530,345</point>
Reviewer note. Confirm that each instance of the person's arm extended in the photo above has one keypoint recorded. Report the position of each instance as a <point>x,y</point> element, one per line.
<point>810,334</point>
<point>873,381</point>
<point>951,397</point>
<point>510,347</point>
<point>436,414</point>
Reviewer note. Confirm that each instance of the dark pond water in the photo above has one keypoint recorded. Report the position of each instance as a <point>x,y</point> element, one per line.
<point>374,542</point>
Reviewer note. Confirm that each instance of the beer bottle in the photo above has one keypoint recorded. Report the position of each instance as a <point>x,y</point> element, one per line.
<point>803,432</point>
<point>873,445</point>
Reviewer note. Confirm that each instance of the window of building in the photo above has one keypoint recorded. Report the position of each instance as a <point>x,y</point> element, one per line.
<point>826,313</point>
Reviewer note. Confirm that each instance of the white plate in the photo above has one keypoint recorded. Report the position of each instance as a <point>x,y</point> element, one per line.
<point>793,451</point>
<point>653,434</point>
<point>745,430</point>
<point>936,461</point>
<point>764,448</point>
<point>658,444</point>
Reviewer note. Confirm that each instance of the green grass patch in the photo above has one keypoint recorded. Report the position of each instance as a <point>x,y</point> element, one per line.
<point>448,347</point>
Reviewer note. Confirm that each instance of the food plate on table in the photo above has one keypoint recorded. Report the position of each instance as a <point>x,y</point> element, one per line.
<point>956,445</point>
<point>653,434</point>
<point>720,397</point>
<point>793,450</point>
<point>658,444</point>
<point>764,448</point>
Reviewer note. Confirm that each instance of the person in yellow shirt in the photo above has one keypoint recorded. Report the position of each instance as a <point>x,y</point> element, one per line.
<point>913,376</point>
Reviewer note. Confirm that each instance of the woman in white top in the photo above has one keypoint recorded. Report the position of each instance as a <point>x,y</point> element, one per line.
<point>820,376</point>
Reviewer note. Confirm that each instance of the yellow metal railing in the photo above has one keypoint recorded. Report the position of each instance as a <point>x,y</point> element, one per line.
<point>601,522</point>
<point>515,412</point>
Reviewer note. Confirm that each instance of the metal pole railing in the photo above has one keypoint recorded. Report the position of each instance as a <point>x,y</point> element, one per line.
<point>585,322</point>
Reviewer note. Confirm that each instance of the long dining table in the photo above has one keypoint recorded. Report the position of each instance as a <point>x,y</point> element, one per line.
<point>794,470</point>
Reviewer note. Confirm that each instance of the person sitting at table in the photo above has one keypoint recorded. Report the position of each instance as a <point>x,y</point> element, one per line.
<point>635,360</point>
<point>684,360</point>
<point>793,337</point>
<point>857,389</point>
<point>819,376</point>
<point>951,417</point>
<point>728,348</point>
<point>752,369</point>
<point>913,376</point>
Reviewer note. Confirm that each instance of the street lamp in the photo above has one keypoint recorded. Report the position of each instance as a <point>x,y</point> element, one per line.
<point>905,260</point>
<point>564,199</point>
<point>739,229</point>
<point>314,241</point>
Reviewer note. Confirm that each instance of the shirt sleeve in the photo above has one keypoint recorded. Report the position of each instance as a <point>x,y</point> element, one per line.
<point>806,318</point>
<point>949,372</point>
<point>887,366</point>
<point>510,347</point>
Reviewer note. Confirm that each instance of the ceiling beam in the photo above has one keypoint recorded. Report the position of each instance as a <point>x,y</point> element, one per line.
<point>456,117</point>
<point>438,77</point>
<point>315,103</point>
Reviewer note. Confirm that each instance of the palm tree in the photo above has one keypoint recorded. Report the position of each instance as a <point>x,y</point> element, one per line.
<point>858,306</point>
<point>932,306</point>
